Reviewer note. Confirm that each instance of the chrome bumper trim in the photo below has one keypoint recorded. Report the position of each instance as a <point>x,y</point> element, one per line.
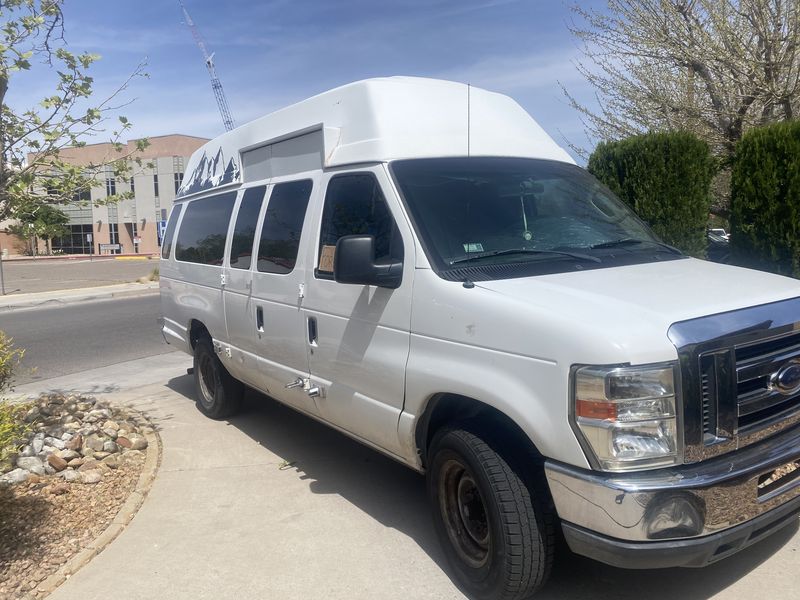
<point>698,499</point>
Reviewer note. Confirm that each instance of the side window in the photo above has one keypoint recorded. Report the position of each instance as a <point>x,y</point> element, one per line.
<point>283,222</point>
<point>201,238</point>
<point>166,243</point>
<point>244,232</point>
<point>354,205</point>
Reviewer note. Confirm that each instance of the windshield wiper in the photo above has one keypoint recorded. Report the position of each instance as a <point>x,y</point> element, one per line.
<point>633,241</point>
<point>525,251</point>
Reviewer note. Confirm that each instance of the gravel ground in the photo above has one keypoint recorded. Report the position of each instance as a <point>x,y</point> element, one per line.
<point>45,521</point>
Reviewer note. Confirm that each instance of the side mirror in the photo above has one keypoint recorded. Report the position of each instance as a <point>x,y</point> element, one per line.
<point>354,262</point>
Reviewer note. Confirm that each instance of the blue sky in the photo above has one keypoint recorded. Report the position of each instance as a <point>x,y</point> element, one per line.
<point>270,54</point>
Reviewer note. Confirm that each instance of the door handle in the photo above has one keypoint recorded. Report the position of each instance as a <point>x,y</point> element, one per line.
<point>312,331</point>
<point>260,319</point>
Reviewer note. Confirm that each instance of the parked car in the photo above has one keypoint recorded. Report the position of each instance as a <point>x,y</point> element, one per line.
<point>720,232</point>
<point>718,248</point>
<point>419,265</point>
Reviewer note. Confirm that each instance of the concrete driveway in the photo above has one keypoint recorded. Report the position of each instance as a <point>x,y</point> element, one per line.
<point>275,505</point>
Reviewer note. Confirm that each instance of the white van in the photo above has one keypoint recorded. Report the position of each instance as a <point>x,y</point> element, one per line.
<point>417,264</point>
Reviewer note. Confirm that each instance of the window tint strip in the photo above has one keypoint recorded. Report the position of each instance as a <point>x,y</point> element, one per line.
<point>283,224</point>
<point>166,243</point>
<point>244,232</point>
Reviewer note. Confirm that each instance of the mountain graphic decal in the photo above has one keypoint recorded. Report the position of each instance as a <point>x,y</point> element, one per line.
<point>209,173</point>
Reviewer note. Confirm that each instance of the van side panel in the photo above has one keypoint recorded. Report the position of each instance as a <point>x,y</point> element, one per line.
<point>194,291</point>
<point>175,330</point>
<point>456,339</point>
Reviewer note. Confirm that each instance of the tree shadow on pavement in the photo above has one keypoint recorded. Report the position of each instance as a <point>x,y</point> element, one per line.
<point>395,496</point>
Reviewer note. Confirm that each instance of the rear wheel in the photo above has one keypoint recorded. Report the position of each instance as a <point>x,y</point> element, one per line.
<point>218,394</point>
<point>497,538</point>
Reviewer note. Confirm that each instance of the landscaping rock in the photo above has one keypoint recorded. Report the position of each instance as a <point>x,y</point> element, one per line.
<point>58,463</point>
<point>111,461</point>
<point>33,414</point>
<point>95,442</point>
<point>70,475</point>
<point>93,476</point>
<point>67,455</point>
<point>54,442</point>
<point>76,443</point>
<point>57,489</point>
<point>74,435</point>
<point>29,463</point>
<point>15,476</point>
<point>138,442</point>
<point>88,465</point>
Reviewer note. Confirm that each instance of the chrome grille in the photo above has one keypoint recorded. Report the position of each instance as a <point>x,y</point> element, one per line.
<point>728,360</point>
<point>758,402</point>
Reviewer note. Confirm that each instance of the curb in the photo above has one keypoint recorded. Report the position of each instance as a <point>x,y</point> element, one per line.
<point>147,289</point>
<point>125,515</point>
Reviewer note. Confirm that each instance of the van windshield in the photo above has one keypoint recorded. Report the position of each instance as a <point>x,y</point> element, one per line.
<point>485,211</point>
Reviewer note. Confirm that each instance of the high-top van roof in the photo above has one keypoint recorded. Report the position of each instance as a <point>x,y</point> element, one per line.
<point>374,120</point>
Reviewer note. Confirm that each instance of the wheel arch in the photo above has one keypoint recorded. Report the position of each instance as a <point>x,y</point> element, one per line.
<point>197,329</point>
<point>446,408</point>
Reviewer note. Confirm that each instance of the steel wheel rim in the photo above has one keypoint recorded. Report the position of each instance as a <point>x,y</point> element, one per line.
<point>464,513</point>
<point>208,379</point>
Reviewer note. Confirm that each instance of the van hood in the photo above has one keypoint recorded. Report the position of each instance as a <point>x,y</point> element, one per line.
<point>629,306</point>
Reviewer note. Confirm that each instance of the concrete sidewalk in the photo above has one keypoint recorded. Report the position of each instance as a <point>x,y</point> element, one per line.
<point>56,297</point>
<point>274,505</point>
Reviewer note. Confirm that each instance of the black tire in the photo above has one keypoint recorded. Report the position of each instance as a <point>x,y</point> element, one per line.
<point>218,395</point>
<point>499,539</point>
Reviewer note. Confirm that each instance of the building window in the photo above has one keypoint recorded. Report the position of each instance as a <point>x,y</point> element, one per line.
<point>111,186</point>
<point>133,186</point>
<point>77,241</point>
<point>155,184</point>
<point>82,197</point>
<point>178,179</point>
<point>113,236</point>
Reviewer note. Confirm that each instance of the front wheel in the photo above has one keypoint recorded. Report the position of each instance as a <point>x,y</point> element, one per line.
<point>218,394</point>
<point>497,545</point>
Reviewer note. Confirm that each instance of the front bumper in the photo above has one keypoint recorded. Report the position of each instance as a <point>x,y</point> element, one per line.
<point>684,516</point>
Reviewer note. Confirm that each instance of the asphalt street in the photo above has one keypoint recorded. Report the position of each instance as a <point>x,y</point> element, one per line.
<point>82,336</point>
<point>25,276</point>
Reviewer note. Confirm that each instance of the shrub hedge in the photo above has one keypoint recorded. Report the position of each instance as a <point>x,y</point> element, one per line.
<point>765,199</point>
<point>665,177</point>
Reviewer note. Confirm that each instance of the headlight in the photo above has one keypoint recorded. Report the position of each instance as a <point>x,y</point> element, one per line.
<point>627,415</point>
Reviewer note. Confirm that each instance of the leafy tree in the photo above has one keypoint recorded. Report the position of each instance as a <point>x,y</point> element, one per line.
<point>715,68</point>
<point>31,139</point>
<point>43,221</point>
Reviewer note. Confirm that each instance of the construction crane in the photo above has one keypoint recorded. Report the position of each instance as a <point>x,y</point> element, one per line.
<point>216,85</point>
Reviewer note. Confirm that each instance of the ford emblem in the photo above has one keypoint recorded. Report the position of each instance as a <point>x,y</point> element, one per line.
<point>786,380</point>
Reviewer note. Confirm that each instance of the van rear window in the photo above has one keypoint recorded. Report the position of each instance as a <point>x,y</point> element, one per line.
<point>201,238</point>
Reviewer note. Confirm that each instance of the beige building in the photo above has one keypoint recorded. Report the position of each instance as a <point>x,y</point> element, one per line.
<point>130,226</point>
